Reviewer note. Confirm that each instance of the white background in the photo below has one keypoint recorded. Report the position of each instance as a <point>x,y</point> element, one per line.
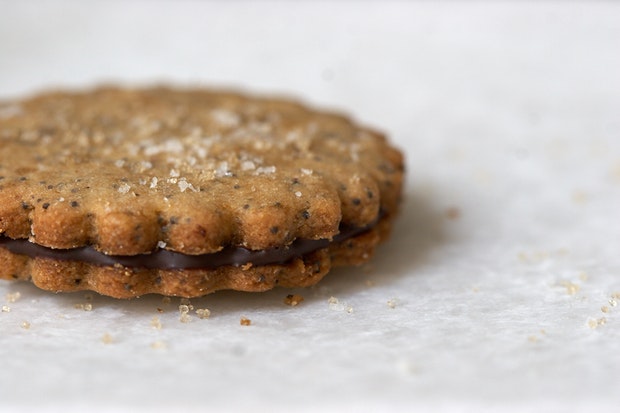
<point>508,113</point>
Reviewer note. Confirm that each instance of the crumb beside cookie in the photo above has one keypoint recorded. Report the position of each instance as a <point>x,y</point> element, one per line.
<point>184,192</point>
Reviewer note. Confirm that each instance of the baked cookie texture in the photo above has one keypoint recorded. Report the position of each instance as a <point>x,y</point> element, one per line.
<point>130,171</point>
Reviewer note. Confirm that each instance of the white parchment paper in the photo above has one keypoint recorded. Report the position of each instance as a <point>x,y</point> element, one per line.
<point>499,289</point>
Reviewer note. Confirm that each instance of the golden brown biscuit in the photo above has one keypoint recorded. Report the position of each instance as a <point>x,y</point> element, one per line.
<point>184,192</point>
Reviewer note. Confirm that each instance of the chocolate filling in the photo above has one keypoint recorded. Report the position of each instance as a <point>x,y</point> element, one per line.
<point>164,259</point>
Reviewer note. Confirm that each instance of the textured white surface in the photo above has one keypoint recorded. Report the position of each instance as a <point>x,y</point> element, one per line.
<point>503,266</point>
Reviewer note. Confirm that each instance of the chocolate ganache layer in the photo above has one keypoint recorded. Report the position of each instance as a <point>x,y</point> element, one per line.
<point>164,259</point>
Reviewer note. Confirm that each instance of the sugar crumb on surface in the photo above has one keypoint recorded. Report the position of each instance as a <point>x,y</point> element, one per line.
<point>596,323</point>
<point>107,339</point>
<point>6,309</point>
<point>392,302</point>
<point>336,305</point>
<point>25,325</point>
<point>579,197</point>
<point>203,313</point>
<point>83,306</point>
<point>615,172</point>
<point>13,297</point>
<point>158,345</point>
<point>184,316</point>
<point>187,302</point>
<point>571,288</point>
<point>536,257</point>
<point>156,323</point>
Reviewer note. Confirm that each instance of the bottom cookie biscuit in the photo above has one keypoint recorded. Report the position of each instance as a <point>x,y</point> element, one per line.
<point>119,281</point>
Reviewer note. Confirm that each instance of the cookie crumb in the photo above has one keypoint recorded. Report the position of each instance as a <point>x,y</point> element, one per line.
<point>453,213</point>
<point>83,306</point>
<point>156,323</point>
<point>392,303</point>
<point>597,323</point>
<point>245,321</point>
<point>25,325</point>
<point>6,309</point>
<point>106,339</point>
<point>158,345</point>
<point>203,313</point>
<point>293,299</point>
<point>605,309</point>
<point>187,302</point>
<point>334,304</point>
<point>184,311</point>
<point>571,288</point>
<point>580,197</point>
<point>13,297</point>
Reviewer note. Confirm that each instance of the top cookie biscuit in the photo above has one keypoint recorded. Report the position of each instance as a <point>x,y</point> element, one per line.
<point>191,171</point>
